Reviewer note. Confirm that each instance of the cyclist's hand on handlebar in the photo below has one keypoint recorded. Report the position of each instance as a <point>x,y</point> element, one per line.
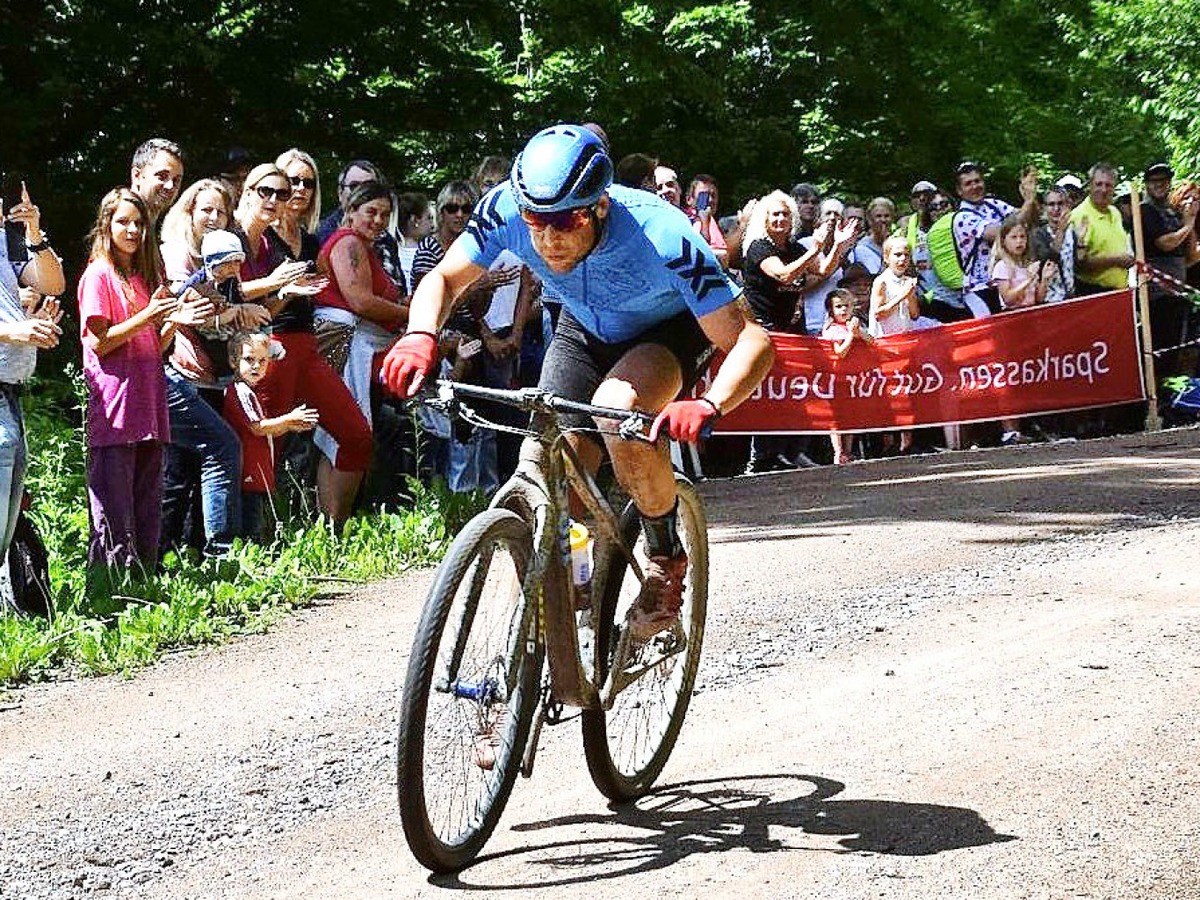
<point>409,363</point>
<point>686,420</point>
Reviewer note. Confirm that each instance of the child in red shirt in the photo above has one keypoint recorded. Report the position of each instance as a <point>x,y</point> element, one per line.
<point>250,354</point>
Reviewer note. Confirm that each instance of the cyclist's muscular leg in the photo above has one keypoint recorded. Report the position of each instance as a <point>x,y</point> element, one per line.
<point>645,378</point>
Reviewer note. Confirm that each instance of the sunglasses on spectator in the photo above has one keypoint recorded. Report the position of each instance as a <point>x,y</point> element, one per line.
<point>941,204</point>
<point>456,208</point>
<point>268,192</point>
<point>298,181</point>
<point>967,166</point>
<point>562,220</point>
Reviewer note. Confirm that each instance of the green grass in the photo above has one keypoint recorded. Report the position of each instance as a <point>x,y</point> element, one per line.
<point>131,622</point>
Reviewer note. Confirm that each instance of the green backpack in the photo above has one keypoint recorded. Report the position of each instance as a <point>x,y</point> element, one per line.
<point>949,267</point>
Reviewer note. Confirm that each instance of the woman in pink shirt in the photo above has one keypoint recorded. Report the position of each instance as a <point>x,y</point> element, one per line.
<point>124,327</point>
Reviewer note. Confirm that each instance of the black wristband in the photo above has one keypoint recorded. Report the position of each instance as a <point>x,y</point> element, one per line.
<point>38,248</point>
<point>716,408</point>
<point>426,333</point>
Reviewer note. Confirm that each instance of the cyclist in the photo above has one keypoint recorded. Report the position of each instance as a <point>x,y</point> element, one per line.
<point>644,301</point>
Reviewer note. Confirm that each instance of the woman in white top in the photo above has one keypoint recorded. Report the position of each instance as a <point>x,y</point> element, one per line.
<point>205,206</point>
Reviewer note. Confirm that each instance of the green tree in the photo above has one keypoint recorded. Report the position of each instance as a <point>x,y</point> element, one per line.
<point>1149,47</point>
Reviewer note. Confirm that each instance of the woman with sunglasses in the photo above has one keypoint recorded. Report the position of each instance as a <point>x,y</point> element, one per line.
<point>267,270</point>
<point>472,458</point>
<point>301,376</point>
<point>452,211</point>
<point>298,219</point>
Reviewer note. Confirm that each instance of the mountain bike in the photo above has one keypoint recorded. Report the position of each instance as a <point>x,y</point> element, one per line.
<point>504,607</point>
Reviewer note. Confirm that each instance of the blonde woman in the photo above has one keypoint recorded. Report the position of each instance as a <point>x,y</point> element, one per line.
<point>302,375</point>
<point>205,206</point>
<point>301,214</point>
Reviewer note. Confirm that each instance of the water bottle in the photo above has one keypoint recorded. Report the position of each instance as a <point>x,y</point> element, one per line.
<point>582,548</point>
<point>580,539</point>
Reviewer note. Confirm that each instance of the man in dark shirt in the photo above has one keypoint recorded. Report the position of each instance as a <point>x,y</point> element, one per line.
<point>1166,231</point>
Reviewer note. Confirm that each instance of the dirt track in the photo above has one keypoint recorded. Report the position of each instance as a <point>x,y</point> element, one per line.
<point>971,675</point>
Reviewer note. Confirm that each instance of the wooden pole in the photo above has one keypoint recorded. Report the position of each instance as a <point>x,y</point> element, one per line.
<point>1143,292</point>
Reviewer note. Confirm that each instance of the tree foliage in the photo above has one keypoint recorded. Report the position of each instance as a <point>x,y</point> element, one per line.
<point>864,97</point>
<point>1149,47</point>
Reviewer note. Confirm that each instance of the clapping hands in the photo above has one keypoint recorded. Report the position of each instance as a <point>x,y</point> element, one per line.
<point>192,309</point>
<point>847,232</point>
<point>306,285</point>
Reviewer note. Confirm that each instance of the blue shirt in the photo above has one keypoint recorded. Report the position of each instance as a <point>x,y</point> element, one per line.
<point>649,266</point>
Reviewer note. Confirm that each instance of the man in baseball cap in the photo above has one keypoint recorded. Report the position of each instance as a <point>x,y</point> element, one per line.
<point>1167,229</point>
<point>1072,189</point>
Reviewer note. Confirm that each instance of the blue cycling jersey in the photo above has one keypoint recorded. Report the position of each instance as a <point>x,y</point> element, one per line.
<point>649,266</point>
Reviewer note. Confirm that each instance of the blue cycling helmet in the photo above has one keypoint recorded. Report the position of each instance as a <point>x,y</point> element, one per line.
<point>562,167</point>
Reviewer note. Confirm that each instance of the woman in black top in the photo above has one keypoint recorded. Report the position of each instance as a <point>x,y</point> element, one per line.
<point>774,262</point>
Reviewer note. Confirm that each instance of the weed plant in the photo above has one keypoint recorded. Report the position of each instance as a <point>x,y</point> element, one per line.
<point>129,622</point>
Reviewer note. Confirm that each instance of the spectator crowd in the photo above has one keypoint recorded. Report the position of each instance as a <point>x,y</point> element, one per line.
<point>232,330</point>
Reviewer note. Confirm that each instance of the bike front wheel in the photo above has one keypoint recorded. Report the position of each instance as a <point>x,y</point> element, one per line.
<point>628,745</point>
<point>470,693</point>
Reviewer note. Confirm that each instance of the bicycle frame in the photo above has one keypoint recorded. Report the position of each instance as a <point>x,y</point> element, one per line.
<point>550,469</point>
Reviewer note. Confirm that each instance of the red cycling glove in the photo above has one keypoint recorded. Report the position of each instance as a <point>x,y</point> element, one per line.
<point>409,363</point>
<point>686,420</point>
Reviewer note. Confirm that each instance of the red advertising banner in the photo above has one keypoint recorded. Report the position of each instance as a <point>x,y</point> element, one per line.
<point>1054,358</point>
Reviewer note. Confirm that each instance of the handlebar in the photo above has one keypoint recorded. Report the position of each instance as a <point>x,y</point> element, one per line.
<point>634,424</point>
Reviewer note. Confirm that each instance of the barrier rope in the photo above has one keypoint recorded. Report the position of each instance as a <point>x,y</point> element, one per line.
<point>1175,288</point>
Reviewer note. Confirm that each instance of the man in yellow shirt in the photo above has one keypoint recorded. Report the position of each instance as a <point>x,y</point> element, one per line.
<point>1103,259</point>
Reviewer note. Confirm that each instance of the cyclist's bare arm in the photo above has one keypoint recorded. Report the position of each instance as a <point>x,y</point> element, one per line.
<point>440,288</point>
<point>749,354</point>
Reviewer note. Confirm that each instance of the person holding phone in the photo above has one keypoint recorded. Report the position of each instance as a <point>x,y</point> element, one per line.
<point>702,210</point>
<point>22,333</point>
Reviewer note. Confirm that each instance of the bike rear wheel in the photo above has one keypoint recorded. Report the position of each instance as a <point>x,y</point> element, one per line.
<point>470,693</point>
<point>628,745</point>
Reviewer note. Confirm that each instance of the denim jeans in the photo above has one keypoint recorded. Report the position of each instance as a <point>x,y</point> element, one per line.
<point>253,514</point>
<point>196,426</point>
<point>13,460</point>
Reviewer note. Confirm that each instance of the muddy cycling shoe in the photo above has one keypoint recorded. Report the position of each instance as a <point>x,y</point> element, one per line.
<point>658,605</point>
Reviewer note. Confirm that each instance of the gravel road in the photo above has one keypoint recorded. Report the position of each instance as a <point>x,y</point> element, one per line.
<point>963,676</point>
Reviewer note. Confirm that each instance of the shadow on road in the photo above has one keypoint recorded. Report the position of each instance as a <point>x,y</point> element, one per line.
<point>1059,489</point>
<point>755,813</point>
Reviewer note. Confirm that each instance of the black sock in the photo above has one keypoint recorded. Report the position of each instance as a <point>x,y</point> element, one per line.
<point>662,533</point>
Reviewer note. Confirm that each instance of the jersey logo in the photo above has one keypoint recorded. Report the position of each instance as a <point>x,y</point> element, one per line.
<point>485,219</point>
<point>690,265</point>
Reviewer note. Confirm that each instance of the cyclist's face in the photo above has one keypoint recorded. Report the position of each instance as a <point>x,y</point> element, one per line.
<point>564,250</point>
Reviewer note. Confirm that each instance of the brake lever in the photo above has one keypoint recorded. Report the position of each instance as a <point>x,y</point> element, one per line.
<point>636,428</point>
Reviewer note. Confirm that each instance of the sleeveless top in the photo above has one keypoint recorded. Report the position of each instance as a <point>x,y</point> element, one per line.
<point>899,321</point>
<point>382,284</point>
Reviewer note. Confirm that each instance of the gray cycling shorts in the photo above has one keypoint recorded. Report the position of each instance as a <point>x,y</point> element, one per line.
<point>578,361</point>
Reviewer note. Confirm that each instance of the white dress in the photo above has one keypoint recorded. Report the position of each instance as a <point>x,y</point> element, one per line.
<point>899,321</point>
